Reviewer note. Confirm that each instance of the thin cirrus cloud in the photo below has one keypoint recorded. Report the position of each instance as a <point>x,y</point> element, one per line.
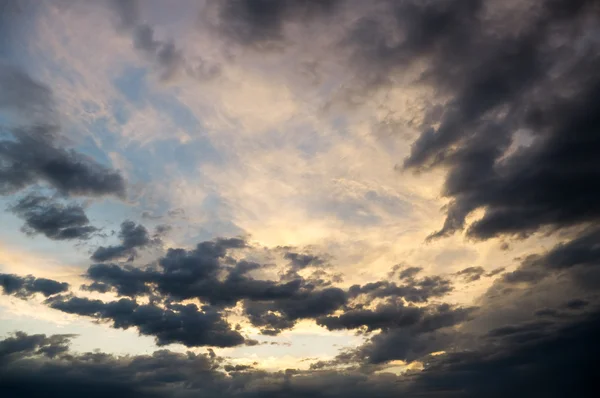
<point>238,182</point>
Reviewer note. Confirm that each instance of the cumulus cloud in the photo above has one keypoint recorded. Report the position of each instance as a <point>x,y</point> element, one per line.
<point>185,324</point>
<point>26,286</point>
<point>132,236</point>
<point>52,218</point>
<point>512,126</point>
<point>30,153</point>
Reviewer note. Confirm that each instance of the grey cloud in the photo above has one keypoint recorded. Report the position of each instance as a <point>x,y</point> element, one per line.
<point>501,82</point>
<point>397,315</point>
<point>260,23</point>
<point>23,95</point>
<point>184,274</point>
<point>302,260</point>
<point>576,304</point>
<point>408,332</point>
<point>414,290</point>
<point>32,157</point>
<point>176,323</point>
<point>26,286</point>
<point>22,344</point>
<point>53,219</point>
<point>210,275</point>
<point>169,60</point>
<point>522,364</point>
<point>206,273</point>
<point>27,369</point>
<point>30,153</point>
<point>132,236</point>
<point>495,272</point>
<point>34,373</point>
<point>282,313</point>
<point>578,256</point>
<point>409,273</point>
<point>471,274</point>
<point>41,366</point>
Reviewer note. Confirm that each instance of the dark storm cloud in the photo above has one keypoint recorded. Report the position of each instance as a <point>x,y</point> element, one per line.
<point>527,366</point>
<point>397,315</point>
<point>41,366</point>
<point>501,80</point>
<point>260,23</point>
<point>31,157</point>
<point>26,369</point>
<point>26,286</point>
<point>30,153</point>
<point>184,324</point>
<point>22,344</point>
<point>208,274</point>
<point>414,290</point>
<point>576,304</point>
<point>237,368</point>
<point>282,313</point>
<point>53,219</point>
<point>204,273</point>
<point>34,373</point>
<point>578,257</point>
<point>407,333</point>
<point>126,281</point>
<point>132,236</point>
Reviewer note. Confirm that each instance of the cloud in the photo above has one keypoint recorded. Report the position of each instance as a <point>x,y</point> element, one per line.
<point>207,273</point>
<point>526,366</point>
<point>210,274</point>
<point>30,153</point>
<point>169,61</point>
<point>132,236</point>
<point>282,313</point>
<point>471,274</point>
<point>414,290</point>
<point>577,257</point>
<point>32,365</point>
<point>397,315</point>
<point>260,24</point>
<point>53,219</point>
<point>186,274</point>
<point>500,80</point>
<point>23,95</point>
<point>33,373</point>
<point>302,260</point>
<point>26,286</point>
<point>509,123</point>
<point>184,324</point>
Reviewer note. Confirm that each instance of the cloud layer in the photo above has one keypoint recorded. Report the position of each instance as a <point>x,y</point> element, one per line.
<point>406,188</point>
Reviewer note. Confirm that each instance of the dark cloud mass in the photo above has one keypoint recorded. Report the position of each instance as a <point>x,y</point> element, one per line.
<point>260,23</point>
<point>208,274</point>
<point>184,324</point>
<point>30,154</point>
<point>37,365</point>
<point>24,287</point>
<point>507,79</point>
<point>414,290</point>
<point>132,236</point>
<point>53,219</point>
<point>514,123</point>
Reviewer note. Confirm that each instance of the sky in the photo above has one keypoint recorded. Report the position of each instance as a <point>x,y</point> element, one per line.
<point>299,198</point>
